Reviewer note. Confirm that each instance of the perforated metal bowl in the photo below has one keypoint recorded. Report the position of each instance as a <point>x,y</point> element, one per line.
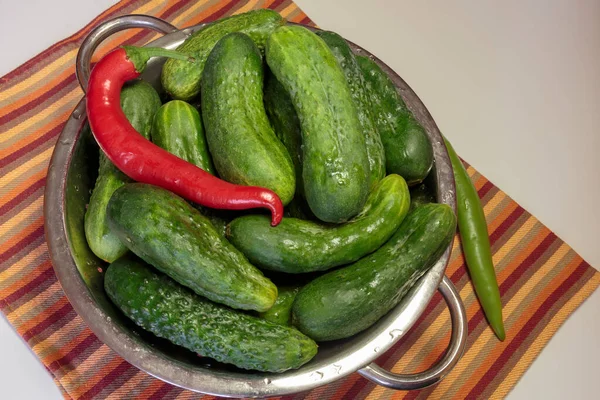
<point>71,176</point>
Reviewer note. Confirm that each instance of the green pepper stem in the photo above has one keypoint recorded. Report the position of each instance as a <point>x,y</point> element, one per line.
<point>139,56</point>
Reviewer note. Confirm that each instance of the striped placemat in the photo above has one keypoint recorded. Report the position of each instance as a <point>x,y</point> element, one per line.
<point>542,280</point>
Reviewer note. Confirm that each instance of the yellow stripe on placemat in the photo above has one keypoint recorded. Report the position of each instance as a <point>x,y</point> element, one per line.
<point>534,350</point>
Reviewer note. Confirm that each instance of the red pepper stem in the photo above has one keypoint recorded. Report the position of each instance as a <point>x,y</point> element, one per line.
<point>139,56</point>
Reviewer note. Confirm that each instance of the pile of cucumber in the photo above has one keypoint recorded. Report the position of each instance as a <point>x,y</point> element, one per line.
<point>272,105</point>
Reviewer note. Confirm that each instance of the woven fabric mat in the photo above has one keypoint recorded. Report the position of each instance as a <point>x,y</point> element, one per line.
<point>542,280</point>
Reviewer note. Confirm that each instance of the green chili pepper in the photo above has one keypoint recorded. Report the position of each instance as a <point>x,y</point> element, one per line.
<point>475,241</point>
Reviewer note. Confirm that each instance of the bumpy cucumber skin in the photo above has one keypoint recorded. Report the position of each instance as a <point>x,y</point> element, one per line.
<point>356,82</point>
<point>178,129</point>
<point>299,246</point>
<point>182,79</point>
<point>285,122</point>
<point>139,102</point>
<point>335,167</point>
<point>168,233</point>
<point>281,312</point>
<point>242,142</point>
<point>159,305</point>
<point>408,151</point>
<point>346,301</point>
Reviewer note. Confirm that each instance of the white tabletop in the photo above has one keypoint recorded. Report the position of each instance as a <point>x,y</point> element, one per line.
<point>514,85</point>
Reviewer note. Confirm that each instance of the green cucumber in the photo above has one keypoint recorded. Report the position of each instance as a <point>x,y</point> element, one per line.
<point>139,102</point>
<point>348,300</point>
<point>408,151</point>
<point>182,79</point>
<point>159,305</point>
<point>281,312</point>
<point>343,54</point>
<point>168,233</point>
<point>285,123</point>
<point>244,147</point>
<point>335,167</point>
<point>177,128</point>
<point>298,246</point>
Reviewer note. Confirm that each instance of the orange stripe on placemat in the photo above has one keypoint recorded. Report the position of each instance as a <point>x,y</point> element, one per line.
<point>48,292</point>
<point>127,388</point>
<point>514,334</point>
<point>95,371</point>
<point>23,216</point>
<point>251,4</point>
<point>46,320</point>
<point>164,390</point>
<point>9,179</point>
<point>559,318</point>
<point>207,15</point>
<point>25,104</point>
<point>571,278</point>
<point>534,333</point>
<point>35,139</point>
<point>22,239</point>
<point>41,81</point>
<point>274,4</point>
<point>486,339</point>
<point>460,271</point>
<point>22,190</point>
<point>24,264</point>
<point>151,389</point>
<point>79,339</point>
<point>107,378</point>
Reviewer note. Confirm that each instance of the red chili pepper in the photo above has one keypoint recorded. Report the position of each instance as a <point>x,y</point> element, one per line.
<point>145,162</point>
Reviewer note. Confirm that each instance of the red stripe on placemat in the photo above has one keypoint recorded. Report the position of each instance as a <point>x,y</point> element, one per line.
<point>161,391</point>
<point>9,205</point>
<point>485,189</point>
<point>504,226</point>
<point>219,13</point>
<point>531,258</point>
<point>47,273</point>
<point>50,135</point>
<point>514,277</point>
<point>456,277</point>
<point>22,243</point>
<point>76,351</point>
<point>360,384</point>
<point>520,337</point>
<point>276,4</point>
<point>305,21</point>
<point>106,380</point>
<point>174,8</point>
<point>49,320</point>
<point>38,100</point>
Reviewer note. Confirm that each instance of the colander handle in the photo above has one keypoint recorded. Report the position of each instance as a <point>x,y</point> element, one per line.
<point>102,31</point>
<point>458,340</point>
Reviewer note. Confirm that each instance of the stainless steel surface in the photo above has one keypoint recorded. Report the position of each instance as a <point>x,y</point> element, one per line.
<point>102,31</point>
<point>458,340</point>
<point>334,360</point>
